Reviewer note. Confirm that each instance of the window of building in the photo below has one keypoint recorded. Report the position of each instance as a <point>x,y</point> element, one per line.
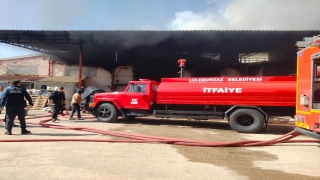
<point>26,85</point>
<point>210,55</point>
<point>253,57</point>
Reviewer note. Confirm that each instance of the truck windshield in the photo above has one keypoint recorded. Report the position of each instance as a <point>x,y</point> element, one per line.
<point>137,88</point>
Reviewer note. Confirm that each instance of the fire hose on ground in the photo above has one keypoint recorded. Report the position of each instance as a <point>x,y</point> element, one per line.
<point>138,138</point>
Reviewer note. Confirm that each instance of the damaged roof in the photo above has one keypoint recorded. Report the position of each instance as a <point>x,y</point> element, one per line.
<point>136,47</point>
<point>6,78</point>
<point>154,54</point>
<point>60,79</point>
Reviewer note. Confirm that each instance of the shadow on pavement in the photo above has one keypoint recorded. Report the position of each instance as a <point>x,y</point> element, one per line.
<point>191,123</point>
<point>275,129</point>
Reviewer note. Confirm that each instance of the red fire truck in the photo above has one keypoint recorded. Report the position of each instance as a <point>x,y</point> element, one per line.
<point>307,117</point>
<point>245,102</point>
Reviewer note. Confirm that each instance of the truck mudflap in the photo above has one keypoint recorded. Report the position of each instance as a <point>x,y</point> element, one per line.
<point>124,114</point>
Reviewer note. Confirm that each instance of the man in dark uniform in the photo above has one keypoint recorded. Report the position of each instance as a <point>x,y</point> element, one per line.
<point>13,99</point>
<point>1,95</point>
<point>56,99</point>
<point>64,106</point>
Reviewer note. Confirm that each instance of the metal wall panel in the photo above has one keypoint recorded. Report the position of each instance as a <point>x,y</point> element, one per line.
<point>86,71</point>
<point>22,70</point>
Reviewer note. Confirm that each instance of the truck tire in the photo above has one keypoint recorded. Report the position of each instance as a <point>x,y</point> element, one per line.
<point>106,113</point>
<point>246,121</point>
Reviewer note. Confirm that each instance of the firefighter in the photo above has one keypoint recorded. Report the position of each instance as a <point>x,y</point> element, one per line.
<point>56,100</point>
<point>13,100</point>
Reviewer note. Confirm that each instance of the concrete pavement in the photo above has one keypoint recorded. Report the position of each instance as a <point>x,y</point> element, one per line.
<point>97,160</point>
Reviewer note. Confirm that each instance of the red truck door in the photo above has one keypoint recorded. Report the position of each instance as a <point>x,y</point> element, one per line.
<point>136,97</point>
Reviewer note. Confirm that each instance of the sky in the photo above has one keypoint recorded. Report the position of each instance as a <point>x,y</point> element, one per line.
<point>155,15</point>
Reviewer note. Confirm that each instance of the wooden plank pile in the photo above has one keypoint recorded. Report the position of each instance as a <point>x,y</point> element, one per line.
<point>34,98</point>
<point>40,102</point>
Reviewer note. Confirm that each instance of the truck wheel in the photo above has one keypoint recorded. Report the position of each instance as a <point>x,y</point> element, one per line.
<point>106,113</point>
<point>246,120</point>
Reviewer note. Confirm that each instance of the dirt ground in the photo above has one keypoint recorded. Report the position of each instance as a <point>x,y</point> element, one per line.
<point>102,160</point>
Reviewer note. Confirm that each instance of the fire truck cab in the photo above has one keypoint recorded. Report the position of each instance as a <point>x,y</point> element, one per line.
<point>307,118</point>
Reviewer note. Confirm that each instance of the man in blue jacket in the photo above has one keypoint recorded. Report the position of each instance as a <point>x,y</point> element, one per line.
<point>13,100</point>
<point>1,95</point>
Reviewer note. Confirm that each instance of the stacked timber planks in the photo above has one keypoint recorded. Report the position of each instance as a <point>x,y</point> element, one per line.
<point>40,102</point>
<point>34,98</point>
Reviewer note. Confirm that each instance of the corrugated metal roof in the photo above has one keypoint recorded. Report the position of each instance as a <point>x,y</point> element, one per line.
<point>65,31</point>
<point>61,79</point>
<point>24,56</point>
<point>7,78</point>
<point>134,46</point>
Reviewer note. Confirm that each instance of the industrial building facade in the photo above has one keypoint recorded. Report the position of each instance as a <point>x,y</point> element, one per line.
<point>39,69</point>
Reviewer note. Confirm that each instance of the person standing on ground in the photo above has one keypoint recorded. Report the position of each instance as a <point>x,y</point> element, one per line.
<point>13,100</point>
<point>56,99</point>
<point>75,105</point>
<point>64,106</point>
<point>1,95</point>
